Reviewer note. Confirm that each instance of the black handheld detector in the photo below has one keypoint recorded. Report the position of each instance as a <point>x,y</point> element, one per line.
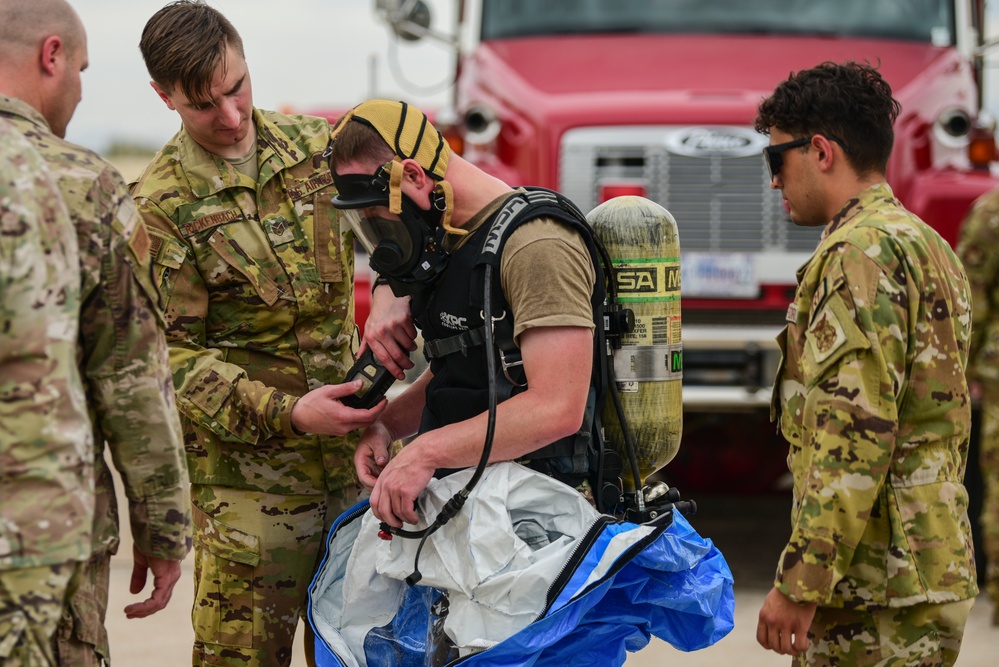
<point>376,380</point>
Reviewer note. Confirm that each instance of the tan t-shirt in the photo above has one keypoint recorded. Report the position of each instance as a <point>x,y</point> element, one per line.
<point>545,272</point>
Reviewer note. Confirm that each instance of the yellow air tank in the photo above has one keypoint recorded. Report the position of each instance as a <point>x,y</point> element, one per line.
<point>641,238</point>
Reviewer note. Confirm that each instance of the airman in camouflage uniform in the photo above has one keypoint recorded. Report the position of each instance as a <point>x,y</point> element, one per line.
<point>122,350</point>
<point>255,274</point>
<point>978,248</point>
<point>871,395</point>
<point>46,447</point>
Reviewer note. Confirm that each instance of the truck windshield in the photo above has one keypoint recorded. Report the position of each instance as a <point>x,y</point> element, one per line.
<point>921,20</point>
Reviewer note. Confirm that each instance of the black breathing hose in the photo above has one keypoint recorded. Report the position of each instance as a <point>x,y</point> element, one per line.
<point>629,441</point>
<point>457,501</point>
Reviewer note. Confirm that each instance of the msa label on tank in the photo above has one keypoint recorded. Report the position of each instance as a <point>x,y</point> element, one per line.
<point>654,330</point>
<point>645,280</point>
<point>647,364</point>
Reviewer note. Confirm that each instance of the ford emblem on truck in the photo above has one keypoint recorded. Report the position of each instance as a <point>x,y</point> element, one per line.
<point>716,142</point>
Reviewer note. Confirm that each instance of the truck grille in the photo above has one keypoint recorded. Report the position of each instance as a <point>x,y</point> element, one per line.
<point>713,180</point>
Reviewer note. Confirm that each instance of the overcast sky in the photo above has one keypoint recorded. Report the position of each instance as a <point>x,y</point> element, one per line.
<point>302,54</point>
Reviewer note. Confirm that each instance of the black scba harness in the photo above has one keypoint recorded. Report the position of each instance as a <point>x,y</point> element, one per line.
<point>583,455</point>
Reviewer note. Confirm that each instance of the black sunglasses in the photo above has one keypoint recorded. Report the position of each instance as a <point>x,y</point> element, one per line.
<point>775,157</point>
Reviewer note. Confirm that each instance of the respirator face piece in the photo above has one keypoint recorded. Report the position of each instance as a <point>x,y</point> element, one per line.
<point>390,242</point>
<point>405,247</point>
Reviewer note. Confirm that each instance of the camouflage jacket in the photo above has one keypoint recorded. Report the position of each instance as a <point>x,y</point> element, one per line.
<point>978,249</point>
<point>122,350</point>
<point>872,396</point>
<point>256,281</point>
<point>46,445</point>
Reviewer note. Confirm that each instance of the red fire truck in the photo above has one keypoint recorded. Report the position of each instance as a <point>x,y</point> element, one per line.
<point>599,98</point>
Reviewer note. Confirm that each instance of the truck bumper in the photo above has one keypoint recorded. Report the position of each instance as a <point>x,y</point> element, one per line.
<point>729,368</point>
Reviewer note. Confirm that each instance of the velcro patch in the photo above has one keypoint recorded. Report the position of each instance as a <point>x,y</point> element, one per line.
<point>279,231</point>
<point>306,188</point>
<point>819,296</point>
<point>140,243</point>
<point>825,335</point>
<point>167,250</point>
<point>208,221</point>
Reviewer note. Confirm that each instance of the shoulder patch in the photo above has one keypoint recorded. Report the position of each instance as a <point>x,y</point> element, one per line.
<point>166,249</point>
<point>825,335</point>
<point>832,334</point>
<point>140,243</point>
<point>128,223</point>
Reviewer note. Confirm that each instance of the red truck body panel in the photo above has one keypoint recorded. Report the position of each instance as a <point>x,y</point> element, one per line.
<point>647,79</point>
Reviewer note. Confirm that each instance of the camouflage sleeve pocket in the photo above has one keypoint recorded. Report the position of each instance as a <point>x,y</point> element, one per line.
<point>831,335</point>
<point>208,391</point>
<point>168,257</point>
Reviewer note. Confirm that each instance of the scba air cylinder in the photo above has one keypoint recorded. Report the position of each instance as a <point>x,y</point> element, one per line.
<point>641,238</point>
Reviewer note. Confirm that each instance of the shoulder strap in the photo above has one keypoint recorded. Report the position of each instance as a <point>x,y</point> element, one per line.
<point>519,208</point>
<point>584,455</point>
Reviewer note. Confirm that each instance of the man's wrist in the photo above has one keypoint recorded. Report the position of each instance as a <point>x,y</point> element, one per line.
<point>378,282</point>
<point>283,422</point>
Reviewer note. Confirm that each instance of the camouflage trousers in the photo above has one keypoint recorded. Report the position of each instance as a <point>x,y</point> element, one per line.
<point>31,602</point>
<point>923,635</point>
<point>82,640</point>
<point>989,518</point>
<point>255,555</point>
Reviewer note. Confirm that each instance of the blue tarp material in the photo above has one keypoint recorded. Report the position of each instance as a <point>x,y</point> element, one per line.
<point>670,583</point>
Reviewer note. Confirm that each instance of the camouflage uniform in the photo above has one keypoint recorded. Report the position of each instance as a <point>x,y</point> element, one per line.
<point>124,364</point>
<point>872,397</point>
<point>256,281</point>
<point>978,248</point>
<point>46,446</point>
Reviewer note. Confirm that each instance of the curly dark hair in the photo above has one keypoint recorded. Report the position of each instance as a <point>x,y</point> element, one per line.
<point>849,101</point>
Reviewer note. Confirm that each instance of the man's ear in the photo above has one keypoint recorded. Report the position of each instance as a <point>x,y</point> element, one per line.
<point>52,55</point>
<point>163,96</point>
<point>416,184</point>
<point>824,152</point>
<point>413,172</point>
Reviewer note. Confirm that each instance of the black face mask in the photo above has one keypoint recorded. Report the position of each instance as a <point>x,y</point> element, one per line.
<point>407,250</point>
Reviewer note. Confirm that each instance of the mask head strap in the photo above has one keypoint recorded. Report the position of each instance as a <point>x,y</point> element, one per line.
<point>395,186</point>
<point>445,198</point>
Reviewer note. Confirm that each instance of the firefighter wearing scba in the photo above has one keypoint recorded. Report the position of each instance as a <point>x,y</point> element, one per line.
<point>421,212</point>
